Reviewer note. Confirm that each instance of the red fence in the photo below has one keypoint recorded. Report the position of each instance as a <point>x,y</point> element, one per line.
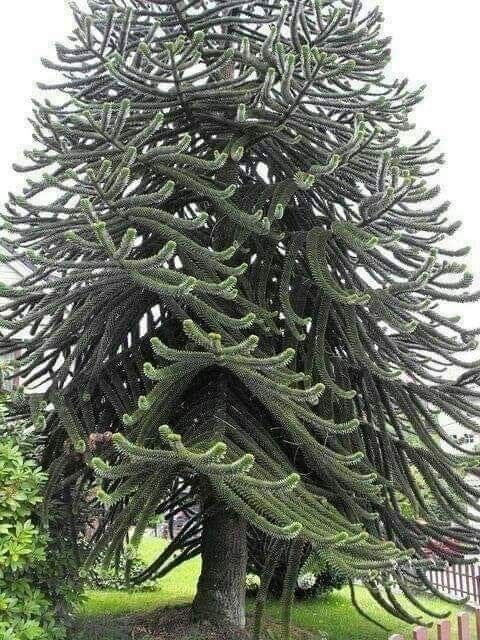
<point>461,580</point>
<point>468,627</point>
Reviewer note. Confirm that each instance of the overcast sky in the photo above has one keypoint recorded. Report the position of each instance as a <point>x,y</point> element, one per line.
<point>432,43</point>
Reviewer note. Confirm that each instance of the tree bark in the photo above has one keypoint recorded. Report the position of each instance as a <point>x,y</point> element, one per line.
<point>221,587</point>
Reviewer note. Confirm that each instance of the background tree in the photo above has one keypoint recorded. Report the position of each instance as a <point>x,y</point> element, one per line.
<point>226,189</point>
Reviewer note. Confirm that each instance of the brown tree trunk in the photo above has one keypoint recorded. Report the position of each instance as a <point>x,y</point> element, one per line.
<point>221,587</point>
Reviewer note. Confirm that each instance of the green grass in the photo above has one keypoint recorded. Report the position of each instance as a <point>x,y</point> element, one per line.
<point>340,621</point>
<point>178,587</point>
<point>333,615</point>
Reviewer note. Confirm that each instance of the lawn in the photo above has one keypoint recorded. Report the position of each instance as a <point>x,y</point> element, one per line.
<point>334,615</point>
<point>177,587</point>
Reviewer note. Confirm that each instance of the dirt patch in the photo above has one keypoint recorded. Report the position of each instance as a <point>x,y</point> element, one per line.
<point>170,624</point>
<point>166,624</point>
<point>177,624</point>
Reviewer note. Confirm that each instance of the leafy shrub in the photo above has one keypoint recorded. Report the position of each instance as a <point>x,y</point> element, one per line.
<point>25,611</point>
<point>309,584</point>
<point>323,581</point>
<point>316,578</point>
<point>114,577</point>
<point>22,422</point>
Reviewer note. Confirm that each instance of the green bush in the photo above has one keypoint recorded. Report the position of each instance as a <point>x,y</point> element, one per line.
<point>313,585</point>
<point>22,422</point>
<point>25,611</point>
<point>316,578</point>
<point>114,577</point>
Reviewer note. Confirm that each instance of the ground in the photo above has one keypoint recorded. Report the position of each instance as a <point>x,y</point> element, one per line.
<point>332,616</point>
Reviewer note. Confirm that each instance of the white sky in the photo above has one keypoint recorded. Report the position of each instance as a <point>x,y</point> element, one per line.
<point>431,43</point>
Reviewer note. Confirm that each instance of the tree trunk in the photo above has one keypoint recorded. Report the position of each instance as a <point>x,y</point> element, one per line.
<point>221,587</point>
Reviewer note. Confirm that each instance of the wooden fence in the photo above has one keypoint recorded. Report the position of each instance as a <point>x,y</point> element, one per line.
<point>468,628</point>
<point>462,580</point>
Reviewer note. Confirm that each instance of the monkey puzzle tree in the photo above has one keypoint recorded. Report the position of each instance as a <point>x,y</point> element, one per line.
<point>232,236</point>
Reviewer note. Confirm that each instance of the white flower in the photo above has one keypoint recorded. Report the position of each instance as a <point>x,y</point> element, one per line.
<point>252,581</point>
<point>306,581</point>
